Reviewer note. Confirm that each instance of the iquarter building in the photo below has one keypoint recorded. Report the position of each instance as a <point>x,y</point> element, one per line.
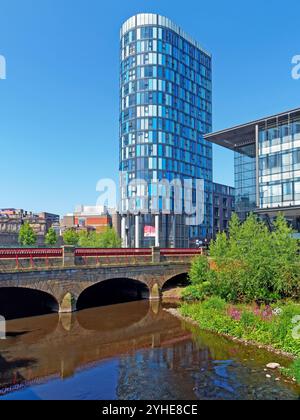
<point>165,110</point>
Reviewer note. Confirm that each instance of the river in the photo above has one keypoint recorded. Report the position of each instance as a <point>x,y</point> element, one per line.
<point>130,351</point>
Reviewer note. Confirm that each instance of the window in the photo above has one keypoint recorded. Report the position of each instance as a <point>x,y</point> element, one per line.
<point>288,191</point>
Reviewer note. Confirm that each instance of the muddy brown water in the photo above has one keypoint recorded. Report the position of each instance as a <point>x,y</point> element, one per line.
<point>132,351</point>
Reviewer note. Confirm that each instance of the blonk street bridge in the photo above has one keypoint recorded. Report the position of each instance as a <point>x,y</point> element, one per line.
<point>67,279</point>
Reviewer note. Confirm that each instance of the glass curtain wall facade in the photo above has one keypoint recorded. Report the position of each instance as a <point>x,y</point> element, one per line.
<point>245,180</point>
<point>279,164</point>
<point>166,108</point>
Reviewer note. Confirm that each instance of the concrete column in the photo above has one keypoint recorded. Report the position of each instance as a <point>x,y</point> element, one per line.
<point>137,232</point>
<point>157,243</point>
<point>155,255</point>
<point>123,232</point>
<point>68,304</point>
<point>68,256</point>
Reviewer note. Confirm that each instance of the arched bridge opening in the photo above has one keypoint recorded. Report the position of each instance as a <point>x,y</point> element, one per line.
<point>18,302</point>
<point>111,292</point>
<point>177,282</point>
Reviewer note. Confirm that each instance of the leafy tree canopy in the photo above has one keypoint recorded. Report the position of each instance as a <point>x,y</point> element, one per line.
<point>27,236</point>
<point>51,237</point>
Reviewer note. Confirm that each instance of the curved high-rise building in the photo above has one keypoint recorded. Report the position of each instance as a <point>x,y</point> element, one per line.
<point>165,109</point>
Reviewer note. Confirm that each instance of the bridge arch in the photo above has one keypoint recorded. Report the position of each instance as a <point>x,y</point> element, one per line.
<point>112,291</point>
<point>180,279</point>
<point>23,302</point>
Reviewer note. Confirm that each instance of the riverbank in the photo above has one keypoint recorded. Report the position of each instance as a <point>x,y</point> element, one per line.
<point>269,328</point>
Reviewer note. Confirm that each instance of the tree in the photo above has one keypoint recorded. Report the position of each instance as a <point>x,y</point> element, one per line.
<point>51,237</point>
<point>253,263</point>
<point>89,239</point>
<point>27,236</point>
<point>71,237</point>
<point>287,264</point>
<point>110,239</point>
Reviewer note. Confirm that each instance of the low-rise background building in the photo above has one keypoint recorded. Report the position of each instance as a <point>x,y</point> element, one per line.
<point>12,219</point>
<point>95,218</point>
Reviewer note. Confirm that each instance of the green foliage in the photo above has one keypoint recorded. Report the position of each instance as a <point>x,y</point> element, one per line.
<point>110,239</point>
<point>294,370</point>
<point>199,270</point>
<point>71,237</point>
<point>89,239</point>
<point>215,303</point>
<point>252,263</point>
<point>201,278</point>
<point>196,292</point>
<point>244,322</point>
<point>51,237</point>
<point>107,239</point>
<point>27,236</point>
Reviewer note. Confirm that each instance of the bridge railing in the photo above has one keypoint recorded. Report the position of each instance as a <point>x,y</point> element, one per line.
<point>169,254</point>
<point>88,256</point>
<point>24,258</point>
<point>69,256</point>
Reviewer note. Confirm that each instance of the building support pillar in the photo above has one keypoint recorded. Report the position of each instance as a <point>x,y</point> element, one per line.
<point>137,231</point>
<point>123,231</point>
<point>157,229</point>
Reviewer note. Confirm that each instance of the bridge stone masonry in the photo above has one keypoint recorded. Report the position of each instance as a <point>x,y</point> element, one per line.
<point>65,273</point>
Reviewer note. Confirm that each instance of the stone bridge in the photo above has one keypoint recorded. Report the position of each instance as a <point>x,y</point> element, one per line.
<point>66,285</point>
<point>64,274</point>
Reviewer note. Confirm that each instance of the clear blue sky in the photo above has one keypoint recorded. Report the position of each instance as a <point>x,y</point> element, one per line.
<point>59,105</point>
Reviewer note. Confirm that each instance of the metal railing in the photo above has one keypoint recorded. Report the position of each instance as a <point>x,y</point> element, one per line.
<point>11,253</point>
<point>39,258</point>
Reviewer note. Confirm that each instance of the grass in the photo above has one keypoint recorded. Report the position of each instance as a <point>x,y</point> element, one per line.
<point>269,325</point>
<point>293,371</point>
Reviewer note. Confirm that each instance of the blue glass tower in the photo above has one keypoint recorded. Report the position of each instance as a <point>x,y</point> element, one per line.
<point>165,109</point>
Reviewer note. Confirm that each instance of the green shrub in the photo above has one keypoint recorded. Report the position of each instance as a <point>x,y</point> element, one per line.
<point>199,270</point>
<point>197,292</point>
<point>252,263</point>
<point>214,303</point>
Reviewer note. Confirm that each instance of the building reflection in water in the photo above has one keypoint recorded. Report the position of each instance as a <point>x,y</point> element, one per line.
<point>130,351</point>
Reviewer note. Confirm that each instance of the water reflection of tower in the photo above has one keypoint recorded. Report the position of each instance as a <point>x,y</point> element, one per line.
<point>161,373</point>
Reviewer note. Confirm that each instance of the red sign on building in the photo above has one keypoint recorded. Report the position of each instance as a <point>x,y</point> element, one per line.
<point>149,232</point>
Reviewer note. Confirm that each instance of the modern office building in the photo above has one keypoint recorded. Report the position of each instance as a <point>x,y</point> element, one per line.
<point>267,165</point>
<point>223,207</point>
<point>166,108</point>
